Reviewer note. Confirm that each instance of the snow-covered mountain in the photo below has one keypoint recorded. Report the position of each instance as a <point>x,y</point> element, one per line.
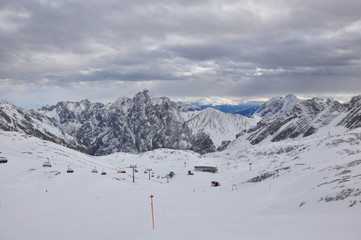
<point>13,118</point>
<point>289,117</point>
<point>353,118</point>
<point>142,123</point>
<point>277,106</point>
<point>307,187</point>
<point>146,122</point>
<point>218,125</point>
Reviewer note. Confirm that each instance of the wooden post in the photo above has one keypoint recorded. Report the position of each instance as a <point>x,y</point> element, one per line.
<point>152,208</point>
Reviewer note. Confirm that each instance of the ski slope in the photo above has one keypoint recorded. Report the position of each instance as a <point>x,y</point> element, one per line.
<point>298,203</point>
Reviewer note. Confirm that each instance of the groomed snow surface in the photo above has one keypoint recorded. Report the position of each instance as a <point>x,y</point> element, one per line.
<point>314,195</point>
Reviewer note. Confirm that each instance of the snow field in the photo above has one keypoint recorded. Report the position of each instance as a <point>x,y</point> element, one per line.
<point>48,203</point>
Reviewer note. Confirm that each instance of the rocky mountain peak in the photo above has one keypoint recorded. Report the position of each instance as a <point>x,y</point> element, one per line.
<point>13,118</point>
<point>146,122</point>
<point>2,102</point>
<point>278,106</point>
<point>355,102</point>
<point>146,94</point>
<point>148,98</point>
<point>142,123</point>
<point>294,118</point>
<point>290,97</point>
<point>219,125</point>
<point>353,117</point>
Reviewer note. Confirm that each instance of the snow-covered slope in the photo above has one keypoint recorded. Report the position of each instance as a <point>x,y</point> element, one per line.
<point>218,125</point>
<point>327,168</point>
<point>304,189</point>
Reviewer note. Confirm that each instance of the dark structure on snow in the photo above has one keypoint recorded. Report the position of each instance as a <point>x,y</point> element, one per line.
<point>205,169</point>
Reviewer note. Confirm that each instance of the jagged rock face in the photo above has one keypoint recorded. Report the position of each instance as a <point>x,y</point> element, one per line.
<point>70,115</point>
<point>135,125</point>
<point>300,118</point>
<point>224,145</point>
<point>353,117</point>
<point>13,118</point>
<point>146,122</point>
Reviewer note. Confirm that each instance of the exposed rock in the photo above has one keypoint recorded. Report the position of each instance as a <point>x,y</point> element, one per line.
<point>13,118</point>
<point>140,124</point>
<point>353,117</point>
<point>223,146</point>
<point>294,118</point>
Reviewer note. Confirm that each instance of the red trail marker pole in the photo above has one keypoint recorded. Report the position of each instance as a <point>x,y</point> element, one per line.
<point>151,205</point>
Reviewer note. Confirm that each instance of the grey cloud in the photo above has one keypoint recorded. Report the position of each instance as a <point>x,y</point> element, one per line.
<point>213,45</point>
<point>202,52</point>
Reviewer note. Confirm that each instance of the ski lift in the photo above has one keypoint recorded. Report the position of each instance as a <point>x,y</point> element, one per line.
<point>171,174</point>
<point>3,160</point>
<point>95,170</point>
<point>47,164</point>
<point>103,172</point>
<point>69,170</point>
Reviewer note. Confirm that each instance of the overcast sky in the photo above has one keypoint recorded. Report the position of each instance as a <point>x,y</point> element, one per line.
<point>53,50</point>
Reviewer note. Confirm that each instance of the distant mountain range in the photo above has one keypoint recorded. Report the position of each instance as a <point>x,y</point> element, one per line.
<point>245,109</point>
<point>142,123</point>
<point>146,122</point>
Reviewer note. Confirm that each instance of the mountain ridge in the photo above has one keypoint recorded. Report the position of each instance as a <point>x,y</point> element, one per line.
<point>17,119</point>
<point>289,117</point>
<point>134,125</point>
<point>146,122</point>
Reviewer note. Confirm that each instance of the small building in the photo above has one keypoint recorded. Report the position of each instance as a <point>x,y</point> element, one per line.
<point>205,169</point>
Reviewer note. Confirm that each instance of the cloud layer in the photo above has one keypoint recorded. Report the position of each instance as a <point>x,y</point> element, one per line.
<point>53,50</point>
